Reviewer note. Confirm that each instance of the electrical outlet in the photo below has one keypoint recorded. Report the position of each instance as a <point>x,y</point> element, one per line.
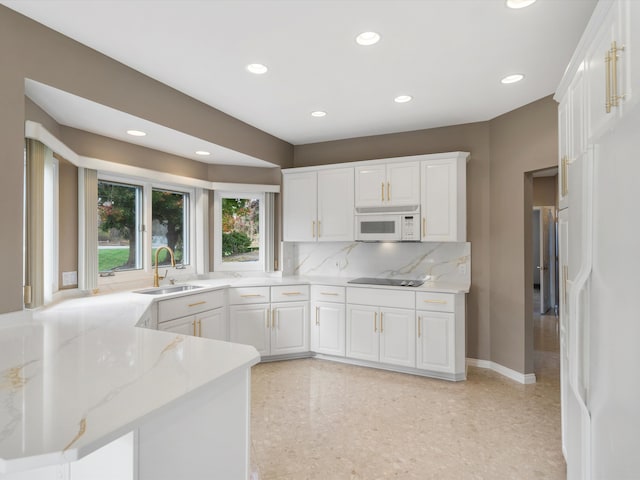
<point>69,278</point>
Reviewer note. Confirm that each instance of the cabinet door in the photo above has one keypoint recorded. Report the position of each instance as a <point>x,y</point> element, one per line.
<point>597,69</point>
<point>397,337</point>
<point>250,326</point>
<point>328,328</point>
<point>212,324</point>
<point>370,185</point>
<point>184,325</point>
<point>362,332</point>
<point>335,205</point>
<point>289,328</point>
<point>436,341</point>
<point>630,64</point>
<point>299,207</point>
<point>440,202</point>
<point>403,184</point>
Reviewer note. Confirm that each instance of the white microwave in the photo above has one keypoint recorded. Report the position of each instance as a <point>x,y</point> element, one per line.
<point>388,227</point>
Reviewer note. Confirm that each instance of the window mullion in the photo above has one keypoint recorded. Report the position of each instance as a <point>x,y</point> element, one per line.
<point>146,227</point>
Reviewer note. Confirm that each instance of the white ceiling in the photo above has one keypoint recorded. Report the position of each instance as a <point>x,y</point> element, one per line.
<point>448,54</point>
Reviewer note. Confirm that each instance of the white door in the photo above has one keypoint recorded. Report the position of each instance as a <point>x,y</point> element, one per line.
<point>328,328</point>
<point>299,207</point>
<point>250,325</point>
<point>184,325</point>
<point>439,208</point>
<point>397,337</point>
<point>370,185</point>
<point>403,184</point>
<point>436,341</point>
<point>289,328</point>
<point>563,151</point>
<point>563,261</point>
<point>362,332</point>
<point>335,205</point>
<point>212,324</point>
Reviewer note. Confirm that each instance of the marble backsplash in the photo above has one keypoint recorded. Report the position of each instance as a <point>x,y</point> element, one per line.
<point>442,262</point>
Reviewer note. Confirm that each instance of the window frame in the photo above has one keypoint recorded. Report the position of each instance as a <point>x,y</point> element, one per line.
<point>218,264</point>
<point>145,221</point>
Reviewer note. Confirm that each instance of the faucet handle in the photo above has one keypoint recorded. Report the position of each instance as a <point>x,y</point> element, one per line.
<point>162,277</point>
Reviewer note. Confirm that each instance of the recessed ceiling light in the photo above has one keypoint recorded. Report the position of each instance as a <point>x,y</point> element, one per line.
<point>516,77</point>
<point>403,98</point>
<point>519,3</point>
<point>257,68</point>
<point>203,153</point>
<point>136,133</point>
<point>318,113</point>
<point>368,38</point>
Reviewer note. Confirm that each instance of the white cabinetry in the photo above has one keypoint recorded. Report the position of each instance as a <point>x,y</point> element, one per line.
<point>376,330</point>
<point>328,320</point>
<point>444,200</point>
<point>387,185</point>
<point>200,314</point>
<point>277,328</point>
<point>318,206</point>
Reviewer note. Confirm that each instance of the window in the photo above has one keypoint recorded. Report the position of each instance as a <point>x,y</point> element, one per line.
<point>239,233</point>
<point>134,220</point>
<point>119,220</point>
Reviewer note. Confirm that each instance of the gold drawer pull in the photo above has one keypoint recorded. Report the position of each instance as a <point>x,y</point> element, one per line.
<point>435,301</point>
<point>291,293</point>
<point>250,295</point>
<point>197,303</point>
<point>424,227</point>
<point>199,328</point>
<point>317,318</point>
<point>381,322</point>
<point>193,324</point>
<point>389,191</point>
<point>329,293</point>
<point>382,191</point>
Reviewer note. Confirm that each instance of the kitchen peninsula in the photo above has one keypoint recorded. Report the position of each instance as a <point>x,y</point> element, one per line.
<point>87,395</point>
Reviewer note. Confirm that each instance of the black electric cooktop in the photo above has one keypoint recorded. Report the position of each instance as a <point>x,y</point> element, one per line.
<point>393,282</point>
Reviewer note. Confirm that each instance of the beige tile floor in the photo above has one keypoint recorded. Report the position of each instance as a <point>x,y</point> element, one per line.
<point>315,419</point>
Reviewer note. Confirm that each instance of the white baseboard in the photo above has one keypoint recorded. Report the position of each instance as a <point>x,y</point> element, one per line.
<point>525,378</point>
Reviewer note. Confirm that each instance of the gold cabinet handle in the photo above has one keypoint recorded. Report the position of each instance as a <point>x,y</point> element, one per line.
<point>199,328</point>
<point>317,316</point>
<point>318,228</point>
<point>382,191</point>
<point>563,170</point>
<point>615,98</point>
<point>273,318</point>
<point>249,295</point>
<point>329,293</point>
<point>267,314</point>
<point>313,229</point>
<point>291,293</point>
<point>193,324</point>
<point>381,322</point>
<point>389,191</point>
<point>197,303</point>
<point>375,322</point>
<point>607,83</point>
<point>436,301</point>
<point>424,226</point>
<point>565,277</point>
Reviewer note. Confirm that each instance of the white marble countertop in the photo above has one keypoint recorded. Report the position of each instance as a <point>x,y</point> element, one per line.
<point>78,375</point>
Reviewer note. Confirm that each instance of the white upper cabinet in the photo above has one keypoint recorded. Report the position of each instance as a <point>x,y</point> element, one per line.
<point>318,206</point>
<point>299,205</point>
<point>444,200</point>
<point>335,205</point>
<point>388,185</point>
<point>613,67</point>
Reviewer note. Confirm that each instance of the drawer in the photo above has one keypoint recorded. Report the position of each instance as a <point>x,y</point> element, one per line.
<point>290,293</point>
<point>246,295</point>
<point>437,302</point>
<point>379,297</point>
<point>328,293</point>
<point>189,305</point>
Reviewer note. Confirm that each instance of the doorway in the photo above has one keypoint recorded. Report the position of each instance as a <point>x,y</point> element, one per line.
<point>544,241</point>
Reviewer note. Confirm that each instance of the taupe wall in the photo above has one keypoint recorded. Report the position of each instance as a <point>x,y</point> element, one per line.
<point>67,219</point>
<point>545,191</point>
<point>30,50</point>
<point>472,138</point>
<point>522,141</point>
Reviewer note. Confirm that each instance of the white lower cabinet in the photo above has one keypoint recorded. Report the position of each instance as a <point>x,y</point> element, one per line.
<point>209,324</point>
<point>435,331</point>
<point>328,328</point>
<point>381,333</point>
<point>279,328</point>
<point>207,318</point>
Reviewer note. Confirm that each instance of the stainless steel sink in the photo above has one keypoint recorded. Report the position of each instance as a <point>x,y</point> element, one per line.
<point>168,289</point>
